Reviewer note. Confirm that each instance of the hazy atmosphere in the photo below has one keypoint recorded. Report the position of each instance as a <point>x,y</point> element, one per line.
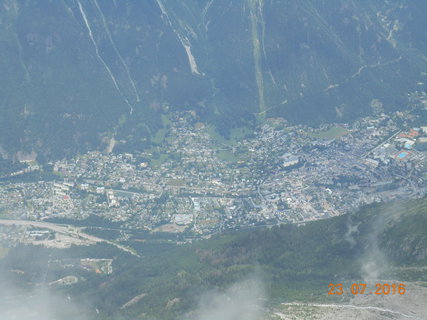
<point>213,159</point>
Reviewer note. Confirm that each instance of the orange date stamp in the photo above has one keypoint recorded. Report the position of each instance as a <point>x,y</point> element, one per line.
<point>362,288</point>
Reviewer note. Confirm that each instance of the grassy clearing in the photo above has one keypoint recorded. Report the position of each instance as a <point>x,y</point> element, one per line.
<point>227,156</point>
<point>239,133</point>
<point>176,182</point>
<point>235,135</point>
<point>159,136</point>
<point>158,162</point>
<point>161,133</point>
<point>211,130</point>
<point>331,133</point>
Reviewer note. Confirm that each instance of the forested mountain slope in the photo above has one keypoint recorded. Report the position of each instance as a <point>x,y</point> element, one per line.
<point>382,242</point>
<point>74,73</point>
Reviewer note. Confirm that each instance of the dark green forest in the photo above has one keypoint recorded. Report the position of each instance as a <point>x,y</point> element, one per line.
<point>294,262</point>
<point>75,73</point>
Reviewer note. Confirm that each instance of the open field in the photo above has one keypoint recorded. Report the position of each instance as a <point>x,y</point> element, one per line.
<point>331,133</point>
